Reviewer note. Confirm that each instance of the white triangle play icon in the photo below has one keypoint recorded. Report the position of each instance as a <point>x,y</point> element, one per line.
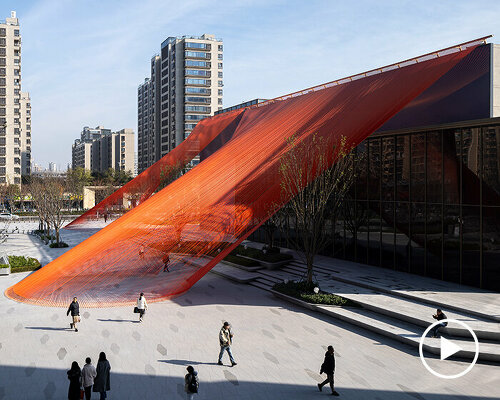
<point>448,348</point>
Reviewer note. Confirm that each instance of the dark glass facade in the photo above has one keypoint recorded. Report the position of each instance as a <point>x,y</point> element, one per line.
<point>425,202</point>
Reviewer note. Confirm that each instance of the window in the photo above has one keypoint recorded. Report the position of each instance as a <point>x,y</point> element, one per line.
<point>16,32</point>
<point>198,99</point>
<point>3,171</point>
<point>197,90</point>
<point>197,54</point>
<point>197,108</point>
<point>220,100</point>
<point>193,63</point>
<point>194,117</point>
<point>220,84</point>
<point>191,81</point>
<point>220,47</point>
<point>197,72</point>
<point>17,170</point>
<point>189,126</point>
<point>220,74</point>
<point>197,45</point>
<point>219,56</point>
<point>220,65</point>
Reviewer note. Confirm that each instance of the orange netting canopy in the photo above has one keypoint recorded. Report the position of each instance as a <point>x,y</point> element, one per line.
<point>195,221</point>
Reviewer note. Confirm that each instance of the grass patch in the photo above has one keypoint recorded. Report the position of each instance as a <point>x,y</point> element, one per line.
<point>305,292</point>
<point>245,262</point>
<point>260,255</point>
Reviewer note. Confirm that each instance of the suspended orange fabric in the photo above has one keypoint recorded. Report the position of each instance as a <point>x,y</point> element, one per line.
<point>199,218</point>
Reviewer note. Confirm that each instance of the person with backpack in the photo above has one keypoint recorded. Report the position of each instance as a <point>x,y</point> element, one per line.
<point>328,367</point>
<point>191,383</point>
<point>74,309</point>
<point>101,381</point>
<point>74,376</point>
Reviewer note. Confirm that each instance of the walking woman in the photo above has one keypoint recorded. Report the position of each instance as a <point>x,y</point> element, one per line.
<point>101,381</point>
<point>74,376</point>
<point>142,306</point>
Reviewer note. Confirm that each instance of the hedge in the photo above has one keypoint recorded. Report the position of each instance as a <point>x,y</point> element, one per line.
<point>305,292</point>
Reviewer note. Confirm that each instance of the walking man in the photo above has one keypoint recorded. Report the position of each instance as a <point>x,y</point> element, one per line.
<point>74,309</point>
<point>439,316</point>
<point>142,306</point>
<point>225,340</point>
<point>328,367</point>
<point>88,375</point>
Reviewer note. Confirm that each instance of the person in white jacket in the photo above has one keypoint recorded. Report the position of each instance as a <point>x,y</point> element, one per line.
<point>88,375</point>
<point>142,306</point>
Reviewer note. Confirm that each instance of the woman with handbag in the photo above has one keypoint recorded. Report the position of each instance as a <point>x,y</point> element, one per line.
<point>141,307</point>
<point>74,376</point>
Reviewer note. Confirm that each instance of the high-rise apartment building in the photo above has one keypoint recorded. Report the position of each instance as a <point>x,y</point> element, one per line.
<point>185,87</point>
<point>100,149</point>
<point>15,107</point>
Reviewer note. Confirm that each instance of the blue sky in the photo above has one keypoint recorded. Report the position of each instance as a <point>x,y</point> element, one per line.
<point>82,60</point>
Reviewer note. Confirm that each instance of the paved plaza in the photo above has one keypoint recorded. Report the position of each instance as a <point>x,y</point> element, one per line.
<point>279,348</point>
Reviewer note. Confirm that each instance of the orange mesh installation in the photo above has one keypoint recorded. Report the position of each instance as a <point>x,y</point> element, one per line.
<point>144,185</point>
<point>198,219</point>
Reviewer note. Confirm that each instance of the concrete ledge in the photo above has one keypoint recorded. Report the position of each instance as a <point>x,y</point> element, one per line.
<point>234,274</point>
<point>488,352</point>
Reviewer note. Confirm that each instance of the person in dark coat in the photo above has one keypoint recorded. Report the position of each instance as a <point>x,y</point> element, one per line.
<point>101,381</point>
<point>74,309</point>
<point>74,376</point>
<point>328,367</point>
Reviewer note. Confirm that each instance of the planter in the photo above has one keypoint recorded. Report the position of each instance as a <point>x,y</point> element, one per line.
<point>5,271</point>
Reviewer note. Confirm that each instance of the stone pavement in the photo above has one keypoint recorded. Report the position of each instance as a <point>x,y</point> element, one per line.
<point>279,348</point>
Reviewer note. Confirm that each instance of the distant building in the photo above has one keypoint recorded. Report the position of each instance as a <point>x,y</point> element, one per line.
<point>185,86</point>
<point>100,149</point>
<point>15,107</point>
<point>52,167</point>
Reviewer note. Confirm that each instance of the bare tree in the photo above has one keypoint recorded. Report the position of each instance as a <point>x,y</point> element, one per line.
<point>40,201</point>
<point>316,174</point>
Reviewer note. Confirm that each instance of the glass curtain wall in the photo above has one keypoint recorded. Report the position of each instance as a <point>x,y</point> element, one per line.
<point>425,202</point>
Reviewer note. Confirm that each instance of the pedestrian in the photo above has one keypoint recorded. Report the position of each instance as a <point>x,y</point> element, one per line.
<point>88,375</point>
<point>74,309</point>
<point>101,381</point>
<point>191,383</point>
<point>105,217</point>
<point>166,263</point>
<point>74,376</point>
<point>142,306</point>
<point>328,367</point>
<point>440,315</point>
<point>225,341</point>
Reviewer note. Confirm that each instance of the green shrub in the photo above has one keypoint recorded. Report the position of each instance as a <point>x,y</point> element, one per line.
<point>22,264</point>
<point>58,245</point>
<point>241,261</point>
<point>4,266</point>
<point>305,292</point>
<point>260,255</point>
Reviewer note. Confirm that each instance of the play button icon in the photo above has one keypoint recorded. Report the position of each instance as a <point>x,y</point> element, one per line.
<point>448,348</point>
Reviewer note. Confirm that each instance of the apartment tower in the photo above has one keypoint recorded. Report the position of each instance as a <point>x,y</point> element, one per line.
<point>15,107</point>
<point>185,86</point>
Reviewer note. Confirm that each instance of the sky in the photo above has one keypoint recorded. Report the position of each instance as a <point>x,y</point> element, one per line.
<point>82,60</point>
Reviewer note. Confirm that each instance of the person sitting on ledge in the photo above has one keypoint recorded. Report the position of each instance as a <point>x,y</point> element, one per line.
<point>439,316</point>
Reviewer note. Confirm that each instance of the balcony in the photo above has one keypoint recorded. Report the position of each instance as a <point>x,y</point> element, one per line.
<point>197,75</point>
<point>197,46</point>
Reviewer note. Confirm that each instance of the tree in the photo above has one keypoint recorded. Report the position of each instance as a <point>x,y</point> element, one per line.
<point>316,174</point>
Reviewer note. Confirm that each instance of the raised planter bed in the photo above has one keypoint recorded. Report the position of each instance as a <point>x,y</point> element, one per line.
<point>267,264</point>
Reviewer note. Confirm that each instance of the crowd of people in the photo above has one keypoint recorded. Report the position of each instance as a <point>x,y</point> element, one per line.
<point>84,381</point>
